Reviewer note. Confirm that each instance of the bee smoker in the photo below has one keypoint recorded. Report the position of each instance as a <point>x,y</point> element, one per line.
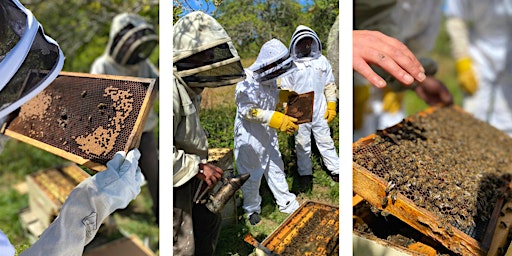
<point>227,189</point>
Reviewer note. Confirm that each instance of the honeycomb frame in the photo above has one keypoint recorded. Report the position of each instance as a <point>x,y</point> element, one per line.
<point>85,118</point>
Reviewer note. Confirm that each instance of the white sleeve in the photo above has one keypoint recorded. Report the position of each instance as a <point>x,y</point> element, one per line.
<point>458,33</point>
<point>91,202</point>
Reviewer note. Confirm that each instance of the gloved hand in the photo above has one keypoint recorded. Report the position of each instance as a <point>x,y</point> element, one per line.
<point>283,123</point>
<point>361,96</point>
<point>285,94</point>
<point>122,179</point>
<point>330,113</point>
<point>465,75</point>
<point>434,92</point>
<point>392,101</point>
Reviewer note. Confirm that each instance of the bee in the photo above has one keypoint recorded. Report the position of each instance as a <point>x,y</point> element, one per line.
<point>390,186</point>
<point>384,202</point>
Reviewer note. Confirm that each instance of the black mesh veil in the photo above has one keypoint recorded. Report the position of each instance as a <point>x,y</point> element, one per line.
<point>212,67</point>
<point>133,44</point>
<point>29,59</point>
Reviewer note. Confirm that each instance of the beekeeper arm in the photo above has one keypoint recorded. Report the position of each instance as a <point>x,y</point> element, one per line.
<point>458,32</point>
<point>91,202</point>
<point>249,109</point>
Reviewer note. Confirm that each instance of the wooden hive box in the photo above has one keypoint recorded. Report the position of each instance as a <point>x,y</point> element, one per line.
<point>313,229</point>
<point>49,188</point>
<point>85,118</point>
<point>442,172</point>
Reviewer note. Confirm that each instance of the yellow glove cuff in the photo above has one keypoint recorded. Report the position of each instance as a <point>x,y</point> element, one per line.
<point>331,105</point>
<point>276,120</point>
<point>463,64</point>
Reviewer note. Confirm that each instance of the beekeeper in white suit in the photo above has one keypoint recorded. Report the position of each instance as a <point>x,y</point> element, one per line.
<point>256,125</point>
<point>481,41</point>
<point>26,48</point>
<point>131,41</point>
<point>314,73</point>
<point>203,56</point>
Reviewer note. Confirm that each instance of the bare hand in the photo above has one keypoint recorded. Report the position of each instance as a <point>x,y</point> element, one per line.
<point>374,47</point>
<point>434,92</point>
<point>211,174</point>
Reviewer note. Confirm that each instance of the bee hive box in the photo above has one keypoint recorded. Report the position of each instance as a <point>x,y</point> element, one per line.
<point>221,157</point>
<point>48,189</point>
<point>310,230</point>
<point>440,171</point>
<point>85,118</point>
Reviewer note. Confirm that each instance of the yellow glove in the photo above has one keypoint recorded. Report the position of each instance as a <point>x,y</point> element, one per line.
<point>465,75</point>
<point>361,96</point>
<point>283,123</point>
<point>330,113</point>
<point>392,101</point>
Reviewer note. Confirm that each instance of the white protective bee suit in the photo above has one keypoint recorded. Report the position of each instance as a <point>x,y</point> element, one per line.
<point>25,49</point>
<point>415,23</point>
<point>481,31</point>
<point>203,56</point>
<point>256,145</point>
<point>131,41</point>
<point>314,73</point>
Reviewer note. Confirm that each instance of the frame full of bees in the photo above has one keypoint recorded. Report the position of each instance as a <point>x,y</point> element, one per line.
<point>443,173</point>
<point>301,107</point>
<point>85,118</point>
<point>313,229</point>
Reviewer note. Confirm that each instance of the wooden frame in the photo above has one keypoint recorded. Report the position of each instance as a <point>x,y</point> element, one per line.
<point>132,134</point>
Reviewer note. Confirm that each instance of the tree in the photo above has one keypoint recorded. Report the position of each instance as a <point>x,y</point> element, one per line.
<point>322,16</point>
<point>251,23</point>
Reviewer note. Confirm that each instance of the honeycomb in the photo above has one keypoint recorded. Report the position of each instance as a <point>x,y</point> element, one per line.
<point>91,117</point>
<point>444,161</point>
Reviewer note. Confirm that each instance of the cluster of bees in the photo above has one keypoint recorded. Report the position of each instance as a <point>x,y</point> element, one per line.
<point>446,162</point>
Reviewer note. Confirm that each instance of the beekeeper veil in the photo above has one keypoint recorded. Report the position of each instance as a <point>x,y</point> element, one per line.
<point>301,51</point>
<point>132,39</point>
<point>203,53</point>
<point>273,62</point>
<point>29,60</point>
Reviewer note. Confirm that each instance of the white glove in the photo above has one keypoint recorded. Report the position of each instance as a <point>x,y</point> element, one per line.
<point>120,182</point>
<point>88,205</point>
